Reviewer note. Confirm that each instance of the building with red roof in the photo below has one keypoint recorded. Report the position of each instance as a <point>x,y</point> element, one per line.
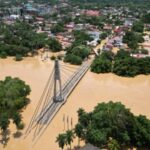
<point>94,13</point>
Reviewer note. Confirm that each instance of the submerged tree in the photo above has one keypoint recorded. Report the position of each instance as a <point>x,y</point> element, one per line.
<point>79,132</point>
<point>69,137</point>
<point>61,140</point>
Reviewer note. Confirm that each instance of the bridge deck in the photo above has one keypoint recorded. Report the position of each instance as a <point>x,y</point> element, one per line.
<point>53,107</point>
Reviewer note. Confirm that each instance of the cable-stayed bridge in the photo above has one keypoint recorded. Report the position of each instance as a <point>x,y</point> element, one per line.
<point>61,82</point>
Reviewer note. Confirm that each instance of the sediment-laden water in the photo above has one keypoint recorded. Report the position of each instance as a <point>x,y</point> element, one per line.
<point>92,89</point>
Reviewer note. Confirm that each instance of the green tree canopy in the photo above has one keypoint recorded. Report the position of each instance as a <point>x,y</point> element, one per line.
<point>138,26</point>
<point>61,140</point>
<point>57,28</point>
<point>13,99</point>
<point>20,39</point>
<point>76,54</point>
<point>73,59</point>
<point>54,45</point>
<point>81,37</point>
<point>103,35</point>
<point>69,137</point>
<point>115,121</point>
<point>146,18</point>
<point>122,64</point>
<point>132,39</point>
<point>81,51</point>
<point>102,63</point>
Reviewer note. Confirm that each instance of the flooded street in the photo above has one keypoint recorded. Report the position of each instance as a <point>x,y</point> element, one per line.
<point>92,89</point>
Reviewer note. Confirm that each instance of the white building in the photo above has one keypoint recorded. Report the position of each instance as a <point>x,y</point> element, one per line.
<point>14,17</point>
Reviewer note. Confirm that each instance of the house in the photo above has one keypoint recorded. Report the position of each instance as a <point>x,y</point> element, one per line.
<point>139,55</point>
<point>79,26</point>
<point>118,31</point>
<point>128,22</point>
<point>107,27</point>
<point>30,9</point>
<point>92,13</point>
<point>44,9</point>
<point>14,17</point>
<point>40,19</point>
<point>95,35</point>
<point>146,38</point>
<point>71,25</point>
<point>108,46</point>
<point>65,39</point>
<point>92,43</point>
<point>115,41</point>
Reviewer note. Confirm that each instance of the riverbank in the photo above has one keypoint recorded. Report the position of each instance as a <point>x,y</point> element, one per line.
<point>92,89</point>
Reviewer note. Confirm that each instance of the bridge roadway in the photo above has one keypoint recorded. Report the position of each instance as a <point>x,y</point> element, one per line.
<point>48,113</point>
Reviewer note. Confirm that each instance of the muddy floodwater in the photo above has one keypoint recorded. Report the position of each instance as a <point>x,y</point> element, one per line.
<point>92,89</point>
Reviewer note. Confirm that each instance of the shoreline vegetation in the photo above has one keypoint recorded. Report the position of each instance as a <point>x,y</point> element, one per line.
<point>20,40</point>
<point>111,126</point>
<point>121,64</point>
<point>13,100</point>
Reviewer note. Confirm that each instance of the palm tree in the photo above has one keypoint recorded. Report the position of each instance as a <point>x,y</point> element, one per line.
<point>113,144</point>
<point>69,137</point>
<point>79,132</point>
<point>61,140</point>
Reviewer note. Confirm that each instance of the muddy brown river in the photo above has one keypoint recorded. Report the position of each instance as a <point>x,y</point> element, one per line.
<point>92,89</point>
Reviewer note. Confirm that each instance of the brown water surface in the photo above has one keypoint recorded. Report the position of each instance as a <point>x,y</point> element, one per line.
<point>92,89</point>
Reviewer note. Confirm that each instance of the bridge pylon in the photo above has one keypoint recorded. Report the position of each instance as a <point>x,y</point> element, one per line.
<point>57,83</point>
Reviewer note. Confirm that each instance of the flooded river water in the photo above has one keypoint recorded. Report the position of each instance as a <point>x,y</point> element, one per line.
<point>92,89</point>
